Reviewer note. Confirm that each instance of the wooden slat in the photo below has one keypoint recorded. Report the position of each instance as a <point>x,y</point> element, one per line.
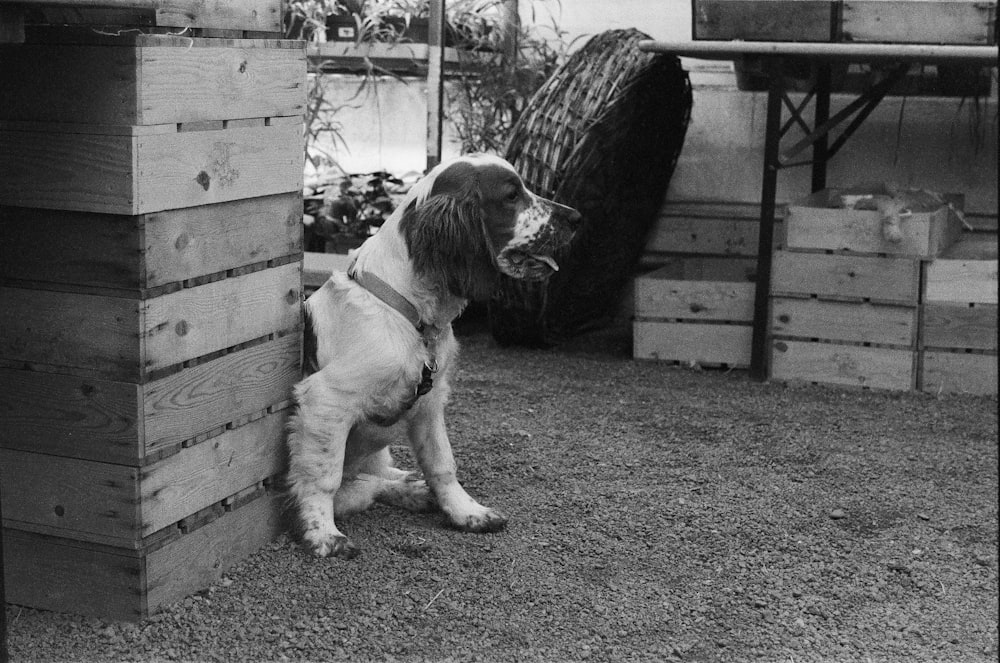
<point>962,281</point>
<point>197,399</point>
<point>959,326</point>
<point>251,15</point>
<point>894,280</point>
<point>147,251</point>
<point>123,423</point>
<point>659,297</point>
<point>777,20</point>
<point>116,583</point>
<point>119,505</point>
<point>150,85</point>
<point>67,415</point>
<point>70,497</point>
<point>126,339</point>
<point>918,22</point>
<point>950,372</point>
<point>195,322</point>
<point>57,574</point>
<point>692,343</point>
<point>858,322</point>
<point>200,558</point>
<point>77,333</point>
<point>207,473</point>
<point>138,174</point>
<point>851,365</point>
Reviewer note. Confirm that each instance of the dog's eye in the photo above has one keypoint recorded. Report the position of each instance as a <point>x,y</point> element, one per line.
<point>513,195</point>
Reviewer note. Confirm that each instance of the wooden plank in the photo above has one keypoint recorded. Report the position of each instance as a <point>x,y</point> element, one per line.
<point>893,280</point>
<point>147,251</point>
<point>657,296</point>
<point>124,423</point>
<point>919,22</point>
<point>199,558</point>
<point>692,343</point>
<point>961,281</point>
<point>207,473</point>
<point>947,325</point>
<point>69,497</point>
<point>951,372</point>
<point>149,173</point>
<point>66,415</point>
<point>859,322</point>
<point>817,224</point>
<point>736,237</point>
<point>249,15</point>
<point>182,405</point>
<point>194,322</point>
<point>64,575</point>
<point>127,339</point>
<point>79,334</point>
<point>851,365</point>
<point>764,20</point>
<point>118,505</point>
<point>57,574</point>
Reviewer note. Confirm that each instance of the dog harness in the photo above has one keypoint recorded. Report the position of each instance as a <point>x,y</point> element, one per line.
<point>404,307</point>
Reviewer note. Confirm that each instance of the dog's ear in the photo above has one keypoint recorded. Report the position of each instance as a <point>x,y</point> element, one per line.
<point>447,244</point>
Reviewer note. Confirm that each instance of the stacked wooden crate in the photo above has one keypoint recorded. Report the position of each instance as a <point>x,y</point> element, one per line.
<point>151,285</point>
<point>695,312</point>
<point>958,339</point>
<point>845,297</point>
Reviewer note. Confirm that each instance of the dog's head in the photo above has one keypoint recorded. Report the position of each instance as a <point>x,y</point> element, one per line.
<point>472,218</point>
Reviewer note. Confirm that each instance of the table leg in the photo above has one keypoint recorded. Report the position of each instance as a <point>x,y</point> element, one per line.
<point>765,243</point>
<point>822,114</point>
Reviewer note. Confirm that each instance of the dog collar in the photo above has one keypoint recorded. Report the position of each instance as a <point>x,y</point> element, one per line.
<point>387,294</point>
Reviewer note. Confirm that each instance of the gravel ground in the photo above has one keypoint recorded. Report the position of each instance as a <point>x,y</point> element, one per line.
<point>657,514</point>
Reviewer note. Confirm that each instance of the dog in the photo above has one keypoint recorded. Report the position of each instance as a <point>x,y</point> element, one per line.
<point>380,351</point>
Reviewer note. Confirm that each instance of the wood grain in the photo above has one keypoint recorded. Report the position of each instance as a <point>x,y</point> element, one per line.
<point>851,365</point>
<point>690,342</point>
<point>883,279</point>
<point>859,322</point>
<point>147,251</point>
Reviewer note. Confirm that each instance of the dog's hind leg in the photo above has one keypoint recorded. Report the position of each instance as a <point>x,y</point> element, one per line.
<point>316,445</point>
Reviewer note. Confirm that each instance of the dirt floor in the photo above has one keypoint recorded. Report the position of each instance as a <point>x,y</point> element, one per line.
<point>657,514</point>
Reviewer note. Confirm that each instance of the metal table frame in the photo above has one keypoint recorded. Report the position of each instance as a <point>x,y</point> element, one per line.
<point>896,58</point>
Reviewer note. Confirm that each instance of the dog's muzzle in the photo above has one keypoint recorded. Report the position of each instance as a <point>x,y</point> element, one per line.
<point>533,260</point>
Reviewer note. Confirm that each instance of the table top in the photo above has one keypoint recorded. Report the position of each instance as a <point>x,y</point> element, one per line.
<point>848,52</point>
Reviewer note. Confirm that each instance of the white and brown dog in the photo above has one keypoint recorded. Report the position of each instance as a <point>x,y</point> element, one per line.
<point>380,348</point>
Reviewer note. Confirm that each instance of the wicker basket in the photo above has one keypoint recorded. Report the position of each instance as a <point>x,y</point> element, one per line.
<point>603,135</point>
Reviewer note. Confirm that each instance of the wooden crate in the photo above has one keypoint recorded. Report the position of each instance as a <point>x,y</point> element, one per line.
<point>765,20</point>
<point>145,80</point>
<point>152,285</point>
<point>695,311</point>
<point>821,222</point>
<point>970,22</point>
<point>959,324</point>
<point>845,319</point>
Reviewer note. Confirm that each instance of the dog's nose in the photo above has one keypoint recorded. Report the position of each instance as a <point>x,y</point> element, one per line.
<point>569,215</point>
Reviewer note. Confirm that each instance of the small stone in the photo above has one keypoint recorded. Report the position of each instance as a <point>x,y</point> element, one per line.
<point>923,516</point>
<point>838,514</point>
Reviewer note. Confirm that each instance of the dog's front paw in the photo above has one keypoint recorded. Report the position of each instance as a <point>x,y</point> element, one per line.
<point>330,546</point>
<point>483,520</point>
